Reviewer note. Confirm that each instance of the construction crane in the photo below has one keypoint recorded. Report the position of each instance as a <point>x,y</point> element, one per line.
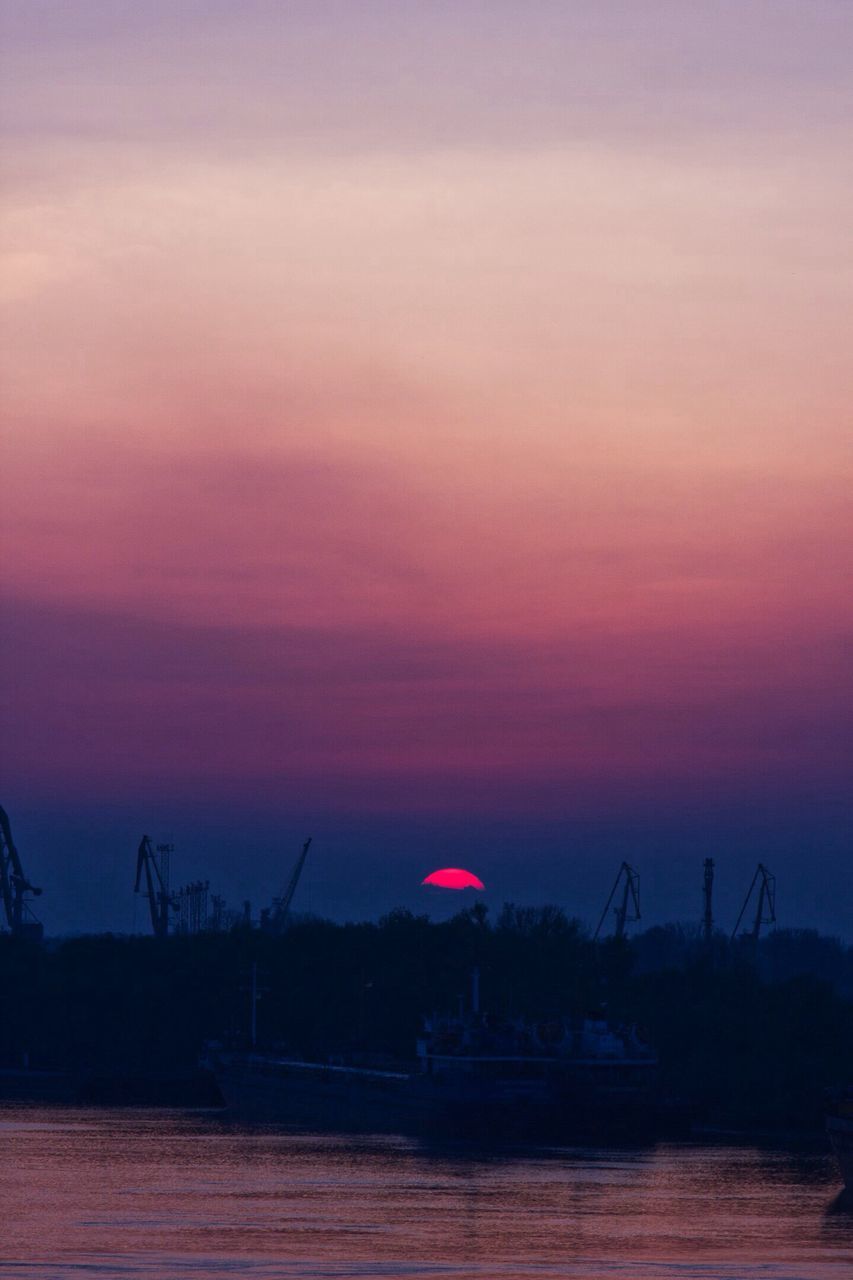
<point>155,864</point>
<point>277,919</point>
<point>707,901</point>
<point>630,900</point>
<point>765,910</point>
<point>191,906</point>
<point>14,886</point>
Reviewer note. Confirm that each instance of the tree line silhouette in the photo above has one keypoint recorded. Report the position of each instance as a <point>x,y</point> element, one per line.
<point>749,1035</point>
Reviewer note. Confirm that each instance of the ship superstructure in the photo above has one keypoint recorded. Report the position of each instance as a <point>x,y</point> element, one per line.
<point>474,1074</point>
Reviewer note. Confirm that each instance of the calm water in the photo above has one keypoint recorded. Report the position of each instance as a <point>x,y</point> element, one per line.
<point>156,1193</point>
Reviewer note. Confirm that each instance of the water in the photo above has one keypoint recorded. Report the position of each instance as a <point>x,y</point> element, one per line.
<point>131,1194</point>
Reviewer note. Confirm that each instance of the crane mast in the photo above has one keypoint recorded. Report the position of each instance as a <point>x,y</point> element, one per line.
<point>14,885</point>
<point>154,864</point>
<point>281,908</point>
<point>630,901</point>
<point>707,900</point>
<point>765,910</point>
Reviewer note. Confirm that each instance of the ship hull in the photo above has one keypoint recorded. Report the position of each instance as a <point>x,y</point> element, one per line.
<point>314,1099</point>
<point>36,1086</point>
<point>319,1098</point>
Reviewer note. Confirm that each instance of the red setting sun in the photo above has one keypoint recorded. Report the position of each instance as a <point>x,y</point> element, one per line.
<point>453,878</point>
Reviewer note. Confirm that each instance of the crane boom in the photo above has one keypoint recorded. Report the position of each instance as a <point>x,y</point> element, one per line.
<point>630,898</point>
<point>282,906</point>
<point>160,901</point>
<point>14,885</point>
<point>765,911</point>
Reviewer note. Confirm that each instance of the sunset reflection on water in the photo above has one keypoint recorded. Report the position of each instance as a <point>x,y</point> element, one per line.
<point>145,1193</point>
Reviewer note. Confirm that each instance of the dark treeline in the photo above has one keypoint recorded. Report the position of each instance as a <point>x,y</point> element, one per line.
<point>750,1035</point>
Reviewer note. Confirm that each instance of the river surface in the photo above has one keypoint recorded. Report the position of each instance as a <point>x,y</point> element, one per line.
<point>109,1193</point>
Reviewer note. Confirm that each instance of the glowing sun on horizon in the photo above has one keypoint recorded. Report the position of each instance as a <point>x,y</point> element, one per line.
<point>453,878</point>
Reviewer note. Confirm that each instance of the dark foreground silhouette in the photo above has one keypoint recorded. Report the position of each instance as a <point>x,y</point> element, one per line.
<point>749,1036</point>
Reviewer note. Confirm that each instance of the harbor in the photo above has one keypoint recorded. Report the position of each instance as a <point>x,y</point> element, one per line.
<point>425,642</point>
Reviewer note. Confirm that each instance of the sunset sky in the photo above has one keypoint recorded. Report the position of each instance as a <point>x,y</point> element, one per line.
<point>427,426</point>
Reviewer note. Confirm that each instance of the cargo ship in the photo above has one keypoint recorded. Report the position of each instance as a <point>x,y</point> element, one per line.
<point>473,1075</point>
<point>839,1127</point>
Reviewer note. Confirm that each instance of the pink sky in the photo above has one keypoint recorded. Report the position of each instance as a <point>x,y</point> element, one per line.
<point>451,401</point>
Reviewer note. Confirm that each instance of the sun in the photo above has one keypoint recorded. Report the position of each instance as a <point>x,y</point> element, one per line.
<point>453,878</point>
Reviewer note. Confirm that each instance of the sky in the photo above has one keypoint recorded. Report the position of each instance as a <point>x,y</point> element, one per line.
<point>427,426</point>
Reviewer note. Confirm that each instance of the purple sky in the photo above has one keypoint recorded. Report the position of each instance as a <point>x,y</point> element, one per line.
<point>427,427</point>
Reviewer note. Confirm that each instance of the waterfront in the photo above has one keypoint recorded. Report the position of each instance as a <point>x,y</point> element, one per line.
<point>139,1193</point>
